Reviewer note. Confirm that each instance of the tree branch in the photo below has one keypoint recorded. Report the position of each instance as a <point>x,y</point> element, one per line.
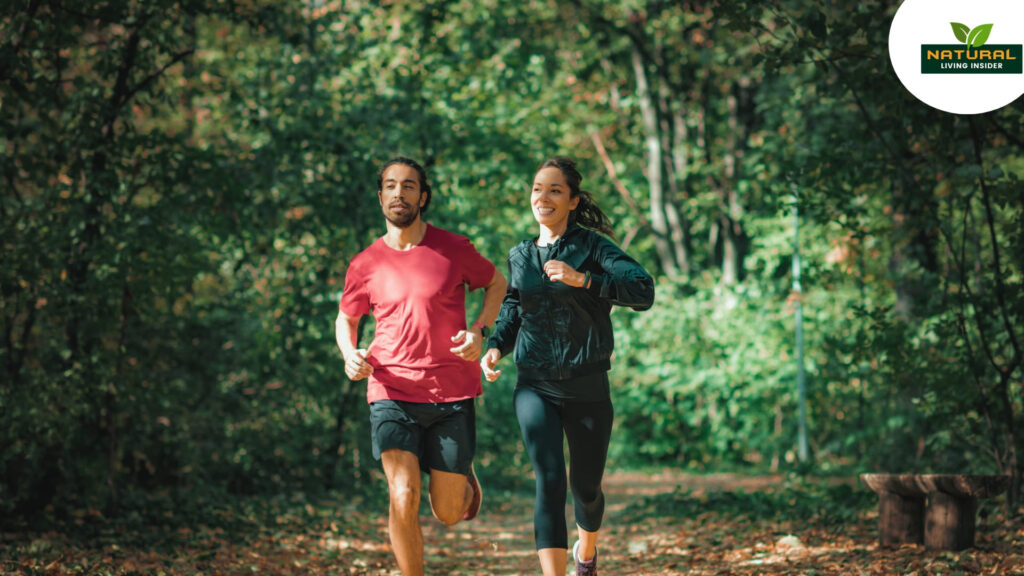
<point>1015,140</point>
<point>6,63</point>
<point>610,168</point>
<point>638,41</point>
<point>990,220</point>
<point>153,76</point>
<point>119,97</point>
<point>9,344</point>
<point>966,288</point>
<point>964,299</point>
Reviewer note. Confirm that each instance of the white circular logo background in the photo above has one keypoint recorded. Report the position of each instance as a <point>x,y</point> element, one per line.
<point>919,22</point>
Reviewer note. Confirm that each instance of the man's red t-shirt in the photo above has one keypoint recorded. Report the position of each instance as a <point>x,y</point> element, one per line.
<point>418,298</point>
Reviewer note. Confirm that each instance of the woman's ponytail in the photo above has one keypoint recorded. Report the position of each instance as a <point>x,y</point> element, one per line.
<point>587,213</point>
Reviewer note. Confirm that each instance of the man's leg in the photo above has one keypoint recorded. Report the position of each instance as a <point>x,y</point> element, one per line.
<point>450,495</point>
<point>449,447</point>
<point>403,472</point>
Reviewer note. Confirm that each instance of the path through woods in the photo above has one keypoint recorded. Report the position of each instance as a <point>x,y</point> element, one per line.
<point>657,524</point>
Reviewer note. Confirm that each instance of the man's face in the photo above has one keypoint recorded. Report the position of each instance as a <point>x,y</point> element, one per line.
<point>400,195</point>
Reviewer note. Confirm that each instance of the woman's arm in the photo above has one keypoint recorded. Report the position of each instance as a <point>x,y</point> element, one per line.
<point>623,281</point>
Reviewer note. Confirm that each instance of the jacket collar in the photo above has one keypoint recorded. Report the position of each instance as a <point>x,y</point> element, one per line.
<point>529,244</point>
<point>570,230</point>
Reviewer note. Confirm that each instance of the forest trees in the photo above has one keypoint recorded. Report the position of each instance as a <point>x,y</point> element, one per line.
<point>184,183</point>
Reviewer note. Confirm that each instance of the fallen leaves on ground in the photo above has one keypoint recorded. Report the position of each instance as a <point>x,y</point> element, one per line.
<point>656,524</point>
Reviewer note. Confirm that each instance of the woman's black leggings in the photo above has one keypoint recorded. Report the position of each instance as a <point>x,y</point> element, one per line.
<point>587,427</point>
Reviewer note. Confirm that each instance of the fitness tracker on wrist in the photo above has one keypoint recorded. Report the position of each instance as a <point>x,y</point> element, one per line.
<point>484,330</point>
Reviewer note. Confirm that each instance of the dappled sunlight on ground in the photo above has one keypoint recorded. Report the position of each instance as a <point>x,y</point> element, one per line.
<point>663,523</point>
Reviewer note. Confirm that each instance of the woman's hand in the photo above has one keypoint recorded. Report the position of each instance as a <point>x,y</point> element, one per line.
<point>559,271</point>
<point>488,362</point>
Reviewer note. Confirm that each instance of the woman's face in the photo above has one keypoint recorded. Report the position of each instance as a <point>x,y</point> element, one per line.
<point>550,198</point>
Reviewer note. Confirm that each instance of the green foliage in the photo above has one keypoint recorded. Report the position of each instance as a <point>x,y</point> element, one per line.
<point>185,184</point>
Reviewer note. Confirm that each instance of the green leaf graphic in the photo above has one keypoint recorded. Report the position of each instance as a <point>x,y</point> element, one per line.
<point>961,31</point>
<point>979,36</point>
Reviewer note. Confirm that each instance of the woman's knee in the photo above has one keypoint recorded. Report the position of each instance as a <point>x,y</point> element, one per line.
<point>551,493</point>
<point>590,512</point>
<point>588,494</point>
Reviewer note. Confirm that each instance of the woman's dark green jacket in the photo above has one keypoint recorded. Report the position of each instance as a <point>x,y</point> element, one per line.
<point>559,331</point>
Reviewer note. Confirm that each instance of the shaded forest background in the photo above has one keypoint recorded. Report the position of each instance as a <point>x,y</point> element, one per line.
<point>185,182</point>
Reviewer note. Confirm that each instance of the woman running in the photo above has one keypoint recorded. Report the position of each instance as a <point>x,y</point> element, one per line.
<point>562,286</point>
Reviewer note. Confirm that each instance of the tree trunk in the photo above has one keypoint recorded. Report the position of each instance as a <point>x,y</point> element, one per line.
<point>674,161</point>
<point>730,225</point>
<point>110,402</point>
<point>680,167</point>
<point>655,168</point>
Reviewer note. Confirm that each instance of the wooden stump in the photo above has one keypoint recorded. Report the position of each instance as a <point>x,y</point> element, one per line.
<point>949,522</point>
<point>952,506</point>
<point>900,519</point>
<point>900,508</point>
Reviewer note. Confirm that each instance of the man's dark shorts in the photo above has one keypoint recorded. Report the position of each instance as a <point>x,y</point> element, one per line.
<point>442,436</point>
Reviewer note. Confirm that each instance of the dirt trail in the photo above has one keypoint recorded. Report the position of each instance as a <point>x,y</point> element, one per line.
<point>500,541</point>
<point>640,539</point>
<point>656,525</point>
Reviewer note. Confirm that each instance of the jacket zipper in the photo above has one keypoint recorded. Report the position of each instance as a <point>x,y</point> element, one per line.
<point>555,343</point>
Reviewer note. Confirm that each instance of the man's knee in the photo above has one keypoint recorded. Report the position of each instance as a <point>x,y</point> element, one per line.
<point>449,496</point>
<point>405,498</point>
<point>448,515</point>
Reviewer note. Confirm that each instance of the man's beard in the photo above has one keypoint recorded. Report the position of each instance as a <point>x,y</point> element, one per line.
<point>402,220</point>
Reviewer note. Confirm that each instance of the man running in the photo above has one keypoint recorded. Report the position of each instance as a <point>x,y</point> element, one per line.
<point>421,364</point>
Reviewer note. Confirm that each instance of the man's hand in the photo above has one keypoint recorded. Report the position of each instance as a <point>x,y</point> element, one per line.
<point>356,366</point>
<point>559,271</point>
<point>469,343</point>
<point>488,362</point>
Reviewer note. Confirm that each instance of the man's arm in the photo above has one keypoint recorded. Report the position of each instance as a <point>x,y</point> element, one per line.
<point>471,341</point>
<point>493,295</point>
<point>346,331</point>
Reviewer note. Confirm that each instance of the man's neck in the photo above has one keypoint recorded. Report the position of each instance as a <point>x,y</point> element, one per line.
<point>405,238</point>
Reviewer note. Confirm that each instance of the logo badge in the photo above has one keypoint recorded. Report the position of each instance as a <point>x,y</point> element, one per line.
<point>955,67</point>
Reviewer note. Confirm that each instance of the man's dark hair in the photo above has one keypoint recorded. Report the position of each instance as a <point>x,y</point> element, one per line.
<point>424,187</point>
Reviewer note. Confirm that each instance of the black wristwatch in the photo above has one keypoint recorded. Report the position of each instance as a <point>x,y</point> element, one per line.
<point>484,330</point>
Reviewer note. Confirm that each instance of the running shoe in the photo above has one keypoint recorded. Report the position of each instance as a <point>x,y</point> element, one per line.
<point>588,568</point>
<point>478,495</point>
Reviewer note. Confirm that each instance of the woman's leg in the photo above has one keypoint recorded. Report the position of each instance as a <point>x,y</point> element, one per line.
<point>588,429</point>
<point>541,426</point>
<point>553,561</point>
